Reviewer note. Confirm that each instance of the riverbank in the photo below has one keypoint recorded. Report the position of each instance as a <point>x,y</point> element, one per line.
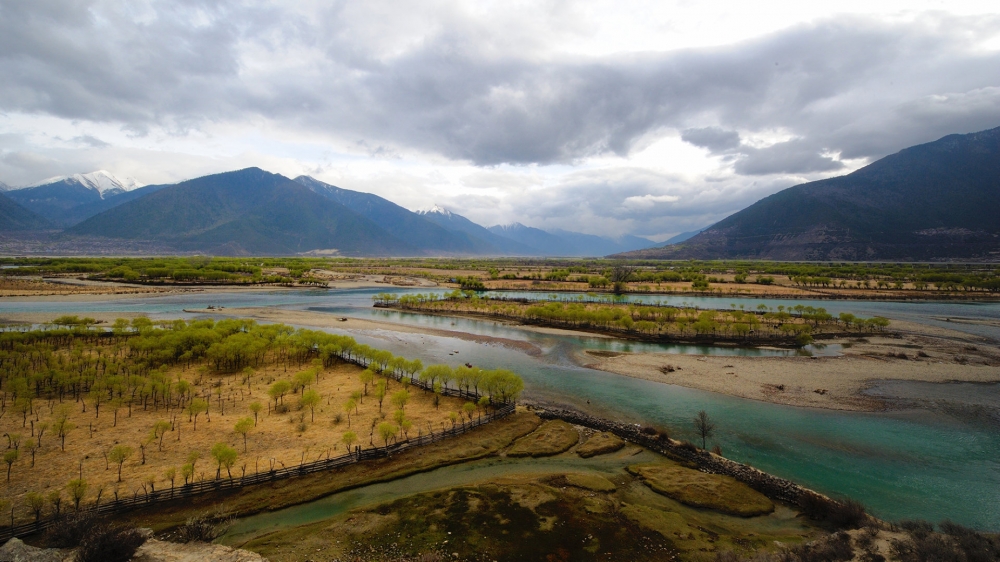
<point>324,320</point>
<point>836,383</point>
<point>72,287</point>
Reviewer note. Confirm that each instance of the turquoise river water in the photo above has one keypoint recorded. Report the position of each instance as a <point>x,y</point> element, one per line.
<point>939,459</point>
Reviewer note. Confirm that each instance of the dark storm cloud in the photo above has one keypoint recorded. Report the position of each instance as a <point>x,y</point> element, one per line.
<point>847,86</point>
<point>791,157</point>
<point>715,139</point>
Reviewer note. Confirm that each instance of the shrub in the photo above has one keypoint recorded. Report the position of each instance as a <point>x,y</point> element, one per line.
<point>688,446</point>
<point>917,528</point>
<point>203,528</point>
<point>72,529</point>
<point>110,543</point>
<point>849,514</point>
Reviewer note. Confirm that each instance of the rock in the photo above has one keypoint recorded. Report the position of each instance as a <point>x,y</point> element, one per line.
<point>162,551</point>
<point>15,550</point>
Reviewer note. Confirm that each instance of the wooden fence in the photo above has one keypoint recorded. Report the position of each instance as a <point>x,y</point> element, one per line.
<point>120,505</point>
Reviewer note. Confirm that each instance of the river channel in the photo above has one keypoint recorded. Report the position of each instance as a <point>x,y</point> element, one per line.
<point>923,461</point>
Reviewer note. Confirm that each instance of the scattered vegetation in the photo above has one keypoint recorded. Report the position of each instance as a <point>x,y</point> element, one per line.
<point>116,409</point>
<point>717,277</point>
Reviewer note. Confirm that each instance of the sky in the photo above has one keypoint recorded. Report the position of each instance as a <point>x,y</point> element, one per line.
<point>611,118</point>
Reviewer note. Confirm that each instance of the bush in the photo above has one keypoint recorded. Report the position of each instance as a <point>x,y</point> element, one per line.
<point>203,528</point>
<point>110,543</point>
<point>848,514</point>
<point>917,528</point>
<point>688,446</point>
<point>72,529</point>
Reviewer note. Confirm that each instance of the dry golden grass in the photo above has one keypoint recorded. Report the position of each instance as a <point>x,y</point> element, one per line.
<point>279,439</point>
<point>600,444</point>
<point>483,441</point>
<point>698,489</point>
<point>554,437</point>
<point>592,482</point>
<point>27,287</point>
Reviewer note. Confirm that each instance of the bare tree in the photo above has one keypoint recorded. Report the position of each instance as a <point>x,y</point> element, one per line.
<point>705,427</point>
<point>620,274</point>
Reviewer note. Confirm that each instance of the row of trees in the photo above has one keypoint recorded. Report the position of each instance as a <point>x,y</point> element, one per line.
<point>654,320</point>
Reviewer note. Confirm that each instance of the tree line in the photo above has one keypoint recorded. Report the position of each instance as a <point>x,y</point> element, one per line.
<point>798,322</point>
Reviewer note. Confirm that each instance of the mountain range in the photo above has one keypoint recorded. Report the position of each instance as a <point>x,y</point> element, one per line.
<point>67,200</point>
<point>251,211</point>
<point>939,200</point>
<point>928,202</point>
<point>245,212</point>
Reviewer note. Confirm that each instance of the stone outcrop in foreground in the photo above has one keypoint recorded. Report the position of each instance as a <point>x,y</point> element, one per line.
<point>153,550</point>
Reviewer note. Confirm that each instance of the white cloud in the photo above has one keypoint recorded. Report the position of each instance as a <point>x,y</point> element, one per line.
<point>643,117</point>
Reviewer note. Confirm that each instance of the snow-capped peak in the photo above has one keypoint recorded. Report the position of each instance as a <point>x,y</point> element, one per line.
<point>510,227</point>
<point>101,181</point>
<point>435,209</point>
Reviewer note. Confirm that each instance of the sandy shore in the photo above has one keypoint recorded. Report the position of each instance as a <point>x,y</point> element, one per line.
<point>323,320</point>
<point>822,382</point>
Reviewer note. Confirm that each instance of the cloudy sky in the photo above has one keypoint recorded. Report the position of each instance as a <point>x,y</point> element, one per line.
<point>649,118</point>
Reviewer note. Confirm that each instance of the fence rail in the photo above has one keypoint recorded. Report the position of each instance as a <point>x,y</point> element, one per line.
<point>120,505</point>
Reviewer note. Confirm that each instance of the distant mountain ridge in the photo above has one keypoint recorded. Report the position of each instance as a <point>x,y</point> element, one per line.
<point>934,201</point>
<point>59,199</point>
<point>227,214</point>
<point>246,212</point>
<point>454,222</point>
<point>14,217</point>
<point>399,222</point>
<point>101,181</point>
<point>566,243</point>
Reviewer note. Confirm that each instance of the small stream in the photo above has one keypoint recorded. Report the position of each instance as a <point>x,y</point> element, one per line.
<point>445,477</point>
